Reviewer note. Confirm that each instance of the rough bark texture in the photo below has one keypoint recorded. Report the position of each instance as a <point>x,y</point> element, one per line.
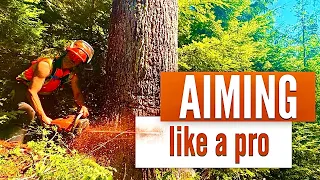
<point>142,43</point>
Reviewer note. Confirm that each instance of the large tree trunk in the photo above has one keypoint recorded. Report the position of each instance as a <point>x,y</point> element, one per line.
<point>142,42</point>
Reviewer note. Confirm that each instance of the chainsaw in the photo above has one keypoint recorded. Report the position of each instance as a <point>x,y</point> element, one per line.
<point>71,124</point>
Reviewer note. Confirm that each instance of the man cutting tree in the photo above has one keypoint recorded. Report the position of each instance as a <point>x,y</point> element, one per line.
<point>46,75</point>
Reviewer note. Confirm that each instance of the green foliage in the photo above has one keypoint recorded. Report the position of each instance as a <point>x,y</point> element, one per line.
<point>33,28</point>
<point>236,173</point>
<point>21,27</point>
<point>50,161</point>
<point>197,21</point>
<point>214,35</point>
<point>176,174</point>
<point>33,25</point>
<point>6,116</point>
<point>233,36</point>
<point>87,20</point>
<point>226,44</point>
<point>219,55</point>
<point>306,152</point>
<point>8,168</point>
<point>305,159</point>
<point>57,164</point>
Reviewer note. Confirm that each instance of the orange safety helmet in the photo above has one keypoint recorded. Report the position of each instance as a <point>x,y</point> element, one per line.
<point>81,50</point>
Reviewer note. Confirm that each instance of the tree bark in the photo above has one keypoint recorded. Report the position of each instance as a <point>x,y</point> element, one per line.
<point>143,41</point>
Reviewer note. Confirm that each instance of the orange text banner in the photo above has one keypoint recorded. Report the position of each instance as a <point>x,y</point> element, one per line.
<point>238,96</point>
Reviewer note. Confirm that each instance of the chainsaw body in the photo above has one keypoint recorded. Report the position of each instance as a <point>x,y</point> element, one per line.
<point>71,124</point>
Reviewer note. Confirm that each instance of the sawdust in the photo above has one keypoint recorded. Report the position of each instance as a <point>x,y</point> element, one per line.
<point>110,145</point>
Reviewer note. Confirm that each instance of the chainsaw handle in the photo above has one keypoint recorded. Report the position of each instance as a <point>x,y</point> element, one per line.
<point>79,116</point>
<point>75,120</point>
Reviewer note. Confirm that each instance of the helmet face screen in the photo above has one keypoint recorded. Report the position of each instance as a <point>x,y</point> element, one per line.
<point>77,55</point>
<point>74,57</point>
<point>85,47</point>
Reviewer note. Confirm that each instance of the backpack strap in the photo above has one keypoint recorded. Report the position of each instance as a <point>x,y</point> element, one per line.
<point>57,63</point>
<point>67,78</point>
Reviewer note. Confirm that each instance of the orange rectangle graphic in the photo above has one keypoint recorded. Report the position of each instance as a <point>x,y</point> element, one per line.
<point>238,96</point>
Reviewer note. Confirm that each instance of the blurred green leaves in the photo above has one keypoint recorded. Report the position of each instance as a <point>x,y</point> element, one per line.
<point>21,27</point>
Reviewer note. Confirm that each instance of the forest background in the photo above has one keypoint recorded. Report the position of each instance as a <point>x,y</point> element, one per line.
<point>213,35</point>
